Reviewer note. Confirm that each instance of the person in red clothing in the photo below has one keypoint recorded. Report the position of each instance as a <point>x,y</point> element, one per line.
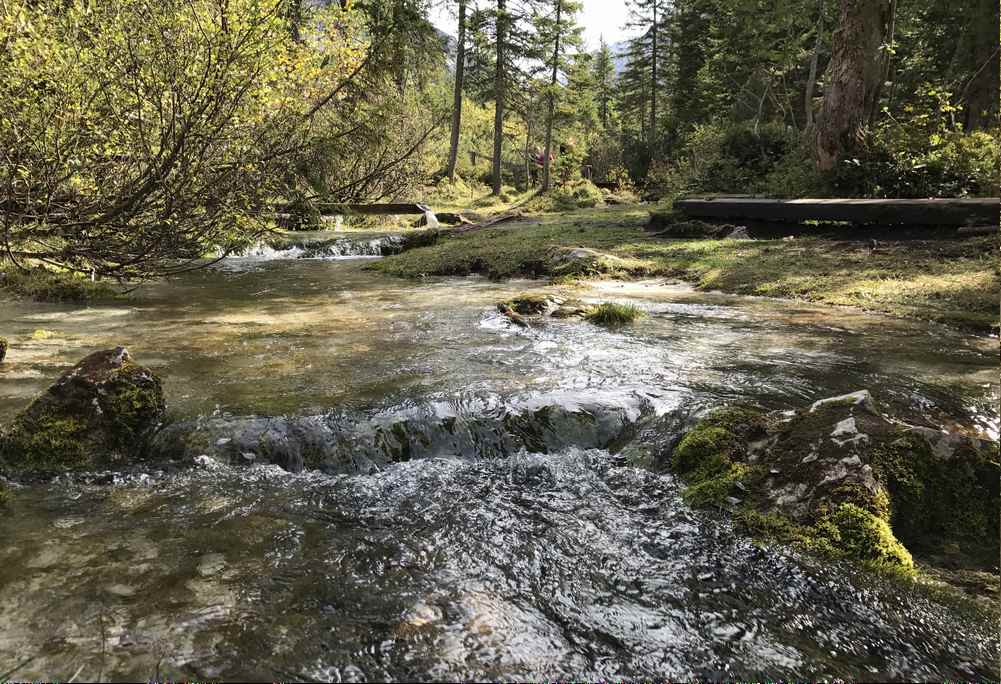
<point>538,163</point>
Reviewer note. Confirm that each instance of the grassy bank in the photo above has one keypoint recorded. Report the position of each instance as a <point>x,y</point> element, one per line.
<point>46,285</point>
<point>950,281</point>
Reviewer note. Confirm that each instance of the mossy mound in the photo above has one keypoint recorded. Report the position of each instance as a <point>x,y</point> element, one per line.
<point>580,262</point>
<point>579,194</point>
<point>96,415</point>
<point>529,304</point>
<point>841,478</point>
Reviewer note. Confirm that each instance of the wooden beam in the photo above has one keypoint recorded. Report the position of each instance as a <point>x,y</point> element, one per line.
<point>386,209</point>
<point>928,212</point>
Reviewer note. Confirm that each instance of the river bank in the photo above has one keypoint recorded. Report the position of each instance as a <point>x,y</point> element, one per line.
<point>948,281</point>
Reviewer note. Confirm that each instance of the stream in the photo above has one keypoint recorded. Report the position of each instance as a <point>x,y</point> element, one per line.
<point>462,520</point>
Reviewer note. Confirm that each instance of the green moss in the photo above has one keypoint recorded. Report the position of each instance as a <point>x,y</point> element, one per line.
<point>45,285</point>
<point>859,534</point>
<point>713,482</point>
<point>528,304</point>
<point>613,315</point>
<point>878,504</point>
<point>705,448</point>
<point>132,399</point>
<point>937,502</point>
<point>45,445</point>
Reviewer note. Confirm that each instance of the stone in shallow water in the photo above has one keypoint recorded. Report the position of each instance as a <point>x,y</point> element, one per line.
<point>841,475</point>
<point>95,416</point>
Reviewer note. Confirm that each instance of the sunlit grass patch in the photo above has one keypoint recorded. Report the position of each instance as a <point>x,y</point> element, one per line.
<point>612,315</point>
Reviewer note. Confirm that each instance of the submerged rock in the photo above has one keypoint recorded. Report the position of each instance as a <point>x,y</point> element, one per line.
<point>95,416</point>
<point>350,443</point>
<point>842,477</point>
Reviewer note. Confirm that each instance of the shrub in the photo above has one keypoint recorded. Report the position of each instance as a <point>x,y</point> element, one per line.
<point>927,155</point>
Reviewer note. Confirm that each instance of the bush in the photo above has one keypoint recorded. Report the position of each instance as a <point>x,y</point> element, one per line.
<point>895,162</point>
<point>577,194</point>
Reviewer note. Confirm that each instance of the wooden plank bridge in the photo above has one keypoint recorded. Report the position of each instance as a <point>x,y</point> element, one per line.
<point>917,212</point>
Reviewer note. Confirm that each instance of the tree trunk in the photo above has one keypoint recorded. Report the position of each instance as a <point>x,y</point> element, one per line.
<point>811,81</point>
<point>547,180</point>
<point>528,148</point>
<point>980,96</point>
<point>460,68</point>
<point>499,94</point>
<point>653,80</point>
<point>852,78</point>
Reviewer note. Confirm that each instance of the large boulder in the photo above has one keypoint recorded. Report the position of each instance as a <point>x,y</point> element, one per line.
<point>95,416</point>
<point>842,477</point>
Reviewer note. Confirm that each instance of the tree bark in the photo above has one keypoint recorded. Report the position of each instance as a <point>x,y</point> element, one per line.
<point>852,78</point>
<point>460,68</point>
<point>499,94</point>
<point>653,80</point>
<point>547,180</point>
<point>811,81</point>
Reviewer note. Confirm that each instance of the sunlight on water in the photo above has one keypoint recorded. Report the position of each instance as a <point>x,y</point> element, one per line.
<point>511,545</point>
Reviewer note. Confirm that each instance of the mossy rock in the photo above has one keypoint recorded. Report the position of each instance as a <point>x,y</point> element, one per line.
<point>95,416</point>
<point>860,534</point>
<point>529,304</point>
<point>841,478</point>
<point>943,499</point>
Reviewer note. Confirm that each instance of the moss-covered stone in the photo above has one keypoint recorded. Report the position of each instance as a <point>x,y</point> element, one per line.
<point>96,415</point>
<point>939,501</point>
<point>529,304</point>
<point>862,535</point>
<point>841,479</point>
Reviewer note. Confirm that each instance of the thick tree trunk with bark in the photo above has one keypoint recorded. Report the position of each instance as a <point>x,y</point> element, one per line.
<point>460,68</point>
<point>499,94</point>
<point>547,179</point>
<point>852,78</point>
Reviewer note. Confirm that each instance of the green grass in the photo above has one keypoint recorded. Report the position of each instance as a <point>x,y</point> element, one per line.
<point>613,315</point>
<point>45,285</point>
<point>950,281</point>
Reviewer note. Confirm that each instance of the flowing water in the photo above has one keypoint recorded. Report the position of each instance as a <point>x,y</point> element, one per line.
<point>473,512</point>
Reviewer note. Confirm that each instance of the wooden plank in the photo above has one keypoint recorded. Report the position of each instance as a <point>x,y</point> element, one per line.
<point>384,209</point>
<point>978,230</point>
<point>930,212</point>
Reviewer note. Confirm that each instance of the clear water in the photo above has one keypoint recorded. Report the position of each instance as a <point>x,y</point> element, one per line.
<point>564,563</point>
